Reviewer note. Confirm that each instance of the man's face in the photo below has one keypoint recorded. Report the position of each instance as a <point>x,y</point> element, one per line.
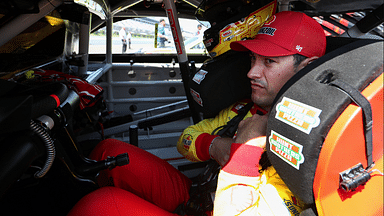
<point>162,23</point>
<point>268,75</point>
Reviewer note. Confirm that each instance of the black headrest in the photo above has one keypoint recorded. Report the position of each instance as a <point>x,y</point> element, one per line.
<point>306,107</point>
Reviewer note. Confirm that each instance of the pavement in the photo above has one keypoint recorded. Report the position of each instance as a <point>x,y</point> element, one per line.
<point>117,49</point>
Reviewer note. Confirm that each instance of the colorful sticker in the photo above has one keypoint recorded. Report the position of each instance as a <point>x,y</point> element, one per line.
<point>244,28</point>
<point>196,97</point>
<point>199,76</point>
<point>298,115</point>
<point>270,20</point>
<point>286,149</point>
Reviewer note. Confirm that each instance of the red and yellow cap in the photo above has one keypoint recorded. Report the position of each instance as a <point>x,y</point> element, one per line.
<point>286,33</point>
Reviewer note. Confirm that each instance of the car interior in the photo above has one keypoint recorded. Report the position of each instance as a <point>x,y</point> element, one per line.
<point>66,85</point>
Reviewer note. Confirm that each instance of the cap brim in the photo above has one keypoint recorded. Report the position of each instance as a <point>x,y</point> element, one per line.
<point>260,47</point>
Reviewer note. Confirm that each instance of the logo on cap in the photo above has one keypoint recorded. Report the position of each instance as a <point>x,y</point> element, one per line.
<point>299,48</point>
<point>267,30</point>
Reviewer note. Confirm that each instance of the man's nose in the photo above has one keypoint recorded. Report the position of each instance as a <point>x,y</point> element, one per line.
<point>256,70</point>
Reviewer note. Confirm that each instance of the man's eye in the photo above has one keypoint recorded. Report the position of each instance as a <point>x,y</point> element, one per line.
<point>269,61</point>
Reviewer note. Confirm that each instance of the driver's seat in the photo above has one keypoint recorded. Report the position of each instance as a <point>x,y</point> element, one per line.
<point>317,137</point>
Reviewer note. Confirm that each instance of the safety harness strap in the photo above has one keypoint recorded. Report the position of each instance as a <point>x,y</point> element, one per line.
<point>362,102</point>
<point>205,183</point>
<point>230,128</point>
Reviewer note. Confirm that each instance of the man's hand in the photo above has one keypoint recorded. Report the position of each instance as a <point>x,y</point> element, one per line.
<point>220,150</point>
<point>248,129</point>
<point>252,127</point>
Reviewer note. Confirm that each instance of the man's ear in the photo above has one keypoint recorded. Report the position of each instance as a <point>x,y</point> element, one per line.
<point>306,62</point>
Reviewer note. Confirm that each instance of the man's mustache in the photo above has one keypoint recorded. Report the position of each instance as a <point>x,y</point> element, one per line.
<point>259,82</point>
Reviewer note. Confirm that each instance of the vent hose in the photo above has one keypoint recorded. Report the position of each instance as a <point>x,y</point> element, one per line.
<point>48,142</point>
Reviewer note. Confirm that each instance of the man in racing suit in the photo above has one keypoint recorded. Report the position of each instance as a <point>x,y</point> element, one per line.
<point>150,186</point>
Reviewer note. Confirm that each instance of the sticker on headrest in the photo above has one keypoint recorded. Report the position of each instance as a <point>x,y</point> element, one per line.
<point>199,76</point>
<point>196,96</point>
<point>298,115</point>
<point>286,149</point>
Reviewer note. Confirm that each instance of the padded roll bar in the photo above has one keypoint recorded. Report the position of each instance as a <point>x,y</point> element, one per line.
<point>181,54</point>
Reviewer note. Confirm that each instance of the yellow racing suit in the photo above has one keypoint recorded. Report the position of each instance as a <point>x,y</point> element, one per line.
<point>194,142</point>
<point>241,189</point>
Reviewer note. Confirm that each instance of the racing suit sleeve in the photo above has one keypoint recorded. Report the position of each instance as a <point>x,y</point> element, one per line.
<point>194,142</point>
<point>241,190</point>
